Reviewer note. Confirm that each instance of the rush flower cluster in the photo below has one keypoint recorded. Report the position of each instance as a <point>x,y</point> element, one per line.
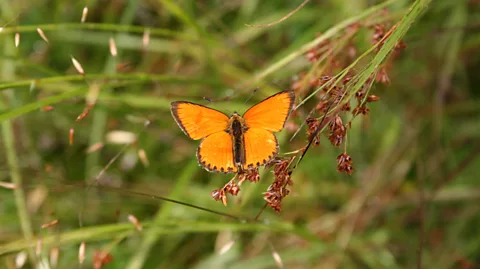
<point>221,194</point>
<point>337,131</point>
<point>232,187</point>
<point>344,163</point>
<point>334,100</point>
<point>279,188</point>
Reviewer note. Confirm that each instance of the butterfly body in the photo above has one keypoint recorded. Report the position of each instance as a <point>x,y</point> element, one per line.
<point>236,130</point>
<point>236,143</point>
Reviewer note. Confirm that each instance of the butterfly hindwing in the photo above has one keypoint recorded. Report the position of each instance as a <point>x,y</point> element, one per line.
<point>271,113</point>
<point>215,153</point>
<point>198,121</point>
<point>260,147</point>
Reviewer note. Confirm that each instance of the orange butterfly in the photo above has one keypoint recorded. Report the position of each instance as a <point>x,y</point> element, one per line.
<point>236,143</point>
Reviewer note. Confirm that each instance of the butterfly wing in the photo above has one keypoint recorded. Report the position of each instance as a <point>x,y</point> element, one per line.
<point>260,147</point>
<point>215,153</point>
<point>198,121</point>
<point>271,113</point>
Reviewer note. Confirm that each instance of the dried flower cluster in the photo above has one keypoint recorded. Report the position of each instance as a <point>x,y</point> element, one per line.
<point>334,99</point>
<point>380,34</point>
<point>327,58</point>
<point>362,105</point>
<point>313,124</point>
<point>337,131</point>
<point>233,188</point>
<point>251,175</point>
<point>378,38</point>
<point>278,190</point>
<point>101,258</point>
<point>274,194</point>
<point>344,163</point>
<point>221,194</point>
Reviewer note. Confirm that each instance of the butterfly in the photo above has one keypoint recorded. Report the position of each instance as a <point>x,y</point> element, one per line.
<point>237,143</point>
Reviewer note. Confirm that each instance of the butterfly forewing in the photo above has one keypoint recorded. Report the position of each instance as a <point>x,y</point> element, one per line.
<point>215,153</point>
<point>198,121</point>
<point>271,113</point>
<point>260,147</point>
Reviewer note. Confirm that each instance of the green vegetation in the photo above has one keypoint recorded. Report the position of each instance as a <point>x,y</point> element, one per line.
<point>385,93</point>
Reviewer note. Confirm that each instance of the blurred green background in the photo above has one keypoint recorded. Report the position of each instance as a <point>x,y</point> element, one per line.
<point>414,192</point>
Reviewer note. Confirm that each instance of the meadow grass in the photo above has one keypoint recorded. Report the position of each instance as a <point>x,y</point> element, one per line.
<point>393,182</point>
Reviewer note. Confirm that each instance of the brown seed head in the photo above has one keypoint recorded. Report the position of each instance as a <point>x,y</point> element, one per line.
<point>217,194</point>
<point>372,98</point>
<point>252,175</point>
<point>101,258</point>
<point>382,76</point>
<point>361,110</point>
<point>48,108</point>
<point>278,190</point>
<point>71,135</point>
<point>337,131</point>
<point>232,188</point>
<point>313,124</point>
<point>344,163</point>
<point>135,222</point>
<point>50,224</point>
<point>322,106</point>
<point>359,96</point>
<point>346,107</point>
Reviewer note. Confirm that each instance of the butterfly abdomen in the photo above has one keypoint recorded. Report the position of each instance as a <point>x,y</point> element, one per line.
<point>237,130</point>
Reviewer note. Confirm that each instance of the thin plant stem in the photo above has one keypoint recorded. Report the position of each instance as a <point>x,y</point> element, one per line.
<point>150,237</point>
<point>18,192</point>
<point>328,34</point>
<point>282,19</point>
<point>8,135</point>
<point>421,209</point>
<point>96,27</point>
<point>100,114</point>
<point>132,76</point>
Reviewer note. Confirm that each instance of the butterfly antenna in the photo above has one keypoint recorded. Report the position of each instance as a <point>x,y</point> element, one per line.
<point>254,91</point>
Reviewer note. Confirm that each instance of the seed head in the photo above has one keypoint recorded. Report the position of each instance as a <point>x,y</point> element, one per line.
<point>344,163</point>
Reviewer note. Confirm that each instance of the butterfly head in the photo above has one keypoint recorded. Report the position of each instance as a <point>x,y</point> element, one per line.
<point>236,117</point>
